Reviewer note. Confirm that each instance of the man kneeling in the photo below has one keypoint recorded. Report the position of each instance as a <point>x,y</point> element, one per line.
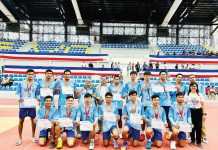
<point>50,113</point>
<point>179,113</point>
<point>155,113</point>
<point>69,111</point>
<point>109,126</point>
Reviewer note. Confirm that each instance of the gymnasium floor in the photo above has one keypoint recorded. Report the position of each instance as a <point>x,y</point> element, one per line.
<point>9,133</point>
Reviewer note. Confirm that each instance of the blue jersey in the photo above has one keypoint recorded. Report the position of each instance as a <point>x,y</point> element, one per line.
<point>145,91</point>
<point>150,114</point>
<point>71,113</point>
<point>117,90</point>
<point>165,96</point>
<point>50,114</point>
<point>51,85</point>
<point>27,91</point>
<point>128,110</point>
<point>183,89</point>
<point>62,84</point>
<point>128,87</point>
<point>177,114</point>
<point>87,114</point>
<point>108,108</point>
<point>92,90</point>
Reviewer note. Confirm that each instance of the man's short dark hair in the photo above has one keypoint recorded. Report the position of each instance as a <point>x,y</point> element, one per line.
<point>67,70</point>
<point>116,76</point>
<point>29,70</point>
<point>133,72</point>
<point>132,92</point>
<point>179,74</point>
<point>162,72</point>
<point>108,94</point>
<point>48,97</point>
<point>87,95</point>
<point>69,96</point>
<point>147,73</point>
<point>179,94</point>
<point>154,96</point>
<point>48,70</point>
<point>191,75</point>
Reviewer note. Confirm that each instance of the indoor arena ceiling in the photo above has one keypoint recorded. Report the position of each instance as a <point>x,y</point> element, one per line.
<point>132,11</point>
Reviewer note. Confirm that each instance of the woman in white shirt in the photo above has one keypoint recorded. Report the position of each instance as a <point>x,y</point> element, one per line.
<point>195,100</point>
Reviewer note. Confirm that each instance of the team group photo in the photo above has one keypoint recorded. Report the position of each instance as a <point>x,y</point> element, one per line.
<point>103,74</point>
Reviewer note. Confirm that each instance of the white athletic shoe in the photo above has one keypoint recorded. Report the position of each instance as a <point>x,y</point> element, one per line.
<point>204,140</point>
<point>91,144</point>
<point>173,145</point>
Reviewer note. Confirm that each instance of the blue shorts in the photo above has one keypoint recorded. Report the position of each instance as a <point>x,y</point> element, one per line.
<point>24,112</point>
<point>85,135</point>
<point>182,136</point>
<point>135,134</point>
<point>107,135</point>
<point>44,133</point>
<point>70,133</point>
<point>157,135</point>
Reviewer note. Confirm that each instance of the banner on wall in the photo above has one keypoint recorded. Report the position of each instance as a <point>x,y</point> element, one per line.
<point>60,70</point>
<point>54,56</point>
<point>185,59</point>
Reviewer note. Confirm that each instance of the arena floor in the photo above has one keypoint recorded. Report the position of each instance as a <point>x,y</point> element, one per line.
<point>9,133</point>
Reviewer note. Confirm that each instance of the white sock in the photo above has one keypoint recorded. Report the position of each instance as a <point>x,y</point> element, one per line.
<point>59,138</point>
<point>149,140</point>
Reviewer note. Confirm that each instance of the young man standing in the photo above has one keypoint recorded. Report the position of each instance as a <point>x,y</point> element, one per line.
<point>179,113</point>
<point>180,87</point>
<point>154,113</point>
<point>50,113</point>
<point>47,87</point>
<point>109,127</point>
<point>67,87</point>
<point>132,85</point>
<point>132,128</point>
<point>117,90</point>
<point>26,94</point>
<point>145,91</point>
<point>102,90</point>
<point>69,111</point>
<point>88,112</point>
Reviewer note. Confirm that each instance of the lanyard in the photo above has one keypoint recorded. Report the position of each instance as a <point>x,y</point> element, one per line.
<point>66,83</point>
<point>47,114</point>
<point>133,85</point>
<point>87,111</point>
<point>29,89</point>
<point>47,85</point>
<point>181,110</point>
<point>156,112</point>
<point>68,113</point>
<point>110,108</point>
<point>133,110</point>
